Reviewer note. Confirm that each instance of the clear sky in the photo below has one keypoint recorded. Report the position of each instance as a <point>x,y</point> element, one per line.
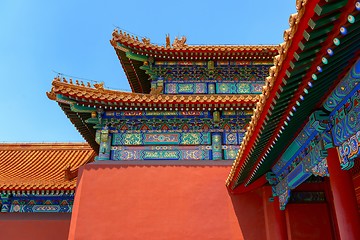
<point>72,37</point>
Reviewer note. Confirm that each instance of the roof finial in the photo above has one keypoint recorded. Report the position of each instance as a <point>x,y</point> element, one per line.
<point>179,43</point>
<point>168,41</point>
<point>146,41</point>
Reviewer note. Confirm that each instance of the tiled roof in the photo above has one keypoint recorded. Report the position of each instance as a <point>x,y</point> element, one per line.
<point>79,101</point>
<point>134,53</point>
<point>114,98</point>
<point>42,166</point>
<point>144,47</point>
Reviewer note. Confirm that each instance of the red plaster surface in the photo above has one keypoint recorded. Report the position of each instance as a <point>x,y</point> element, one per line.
<point>308,222</point>
<point>162,202</point>
<point>39,226</point>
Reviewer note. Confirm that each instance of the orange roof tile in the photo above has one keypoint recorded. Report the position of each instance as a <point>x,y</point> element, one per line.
<point>42,166</point>
<point>145,47</point>
<point>99,93</point>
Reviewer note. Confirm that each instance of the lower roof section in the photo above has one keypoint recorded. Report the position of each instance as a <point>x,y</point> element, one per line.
<point>42,166</point>
<point>65,91</point>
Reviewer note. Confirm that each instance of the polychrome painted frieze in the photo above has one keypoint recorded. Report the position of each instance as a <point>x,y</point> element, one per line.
<point>37,203</point>
<point>161,139</point>
<point>161,153</point>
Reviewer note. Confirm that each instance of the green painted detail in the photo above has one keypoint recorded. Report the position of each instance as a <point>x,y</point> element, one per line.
<point>351,19</point>
<point>160,155</point>
<point>306,54</point>
<point>83,109</point>
<point>317,33</point>
<point>323,21</point>
<point>149,71</point>
<point>317,120</point>
<point>327,8</point>
<point>122,47</point>
<point>136,57</point>
<point>60,97</point>
<point>98,136</point>
<point>73,105</point>
<point>145,67</point>
<point>92,120</point>
<point>308,45</point>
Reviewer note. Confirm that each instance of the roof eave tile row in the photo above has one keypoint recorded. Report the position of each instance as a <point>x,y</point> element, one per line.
<point>144,47</point>
<point>98,93</point>
<point>41,166</point>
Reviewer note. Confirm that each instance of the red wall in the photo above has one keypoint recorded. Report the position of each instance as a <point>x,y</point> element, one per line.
<point>40,226</point>
<point>117,201</point>
<point>356,180</point>
<point>308,221</point>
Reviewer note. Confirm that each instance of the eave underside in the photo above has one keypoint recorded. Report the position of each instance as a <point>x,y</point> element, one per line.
<point>312,47</point>
<point>138,79</point>
<point>78,119</point>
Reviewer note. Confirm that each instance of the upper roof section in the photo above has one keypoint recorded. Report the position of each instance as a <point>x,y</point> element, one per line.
<point>179,50</point>
<point>134,54</point>
<point>42,166</point>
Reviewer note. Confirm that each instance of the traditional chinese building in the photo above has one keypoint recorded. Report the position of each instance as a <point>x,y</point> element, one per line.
<point>188,102</point>
<point>37,186</point>
<point>288,116</point>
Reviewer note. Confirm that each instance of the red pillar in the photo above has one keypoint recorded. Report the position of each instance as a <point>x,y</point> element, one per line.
<point>275,221</point>
<point>342,188</point>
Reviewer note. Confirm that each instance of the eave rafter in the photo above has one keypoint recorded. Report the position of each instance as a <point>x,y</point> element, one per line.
<point>303,57</point>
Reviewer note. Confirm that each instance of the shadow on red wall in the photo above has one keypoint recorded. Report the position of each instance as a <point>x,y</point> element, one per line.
<point>39,226</point>
<point>249,211</point>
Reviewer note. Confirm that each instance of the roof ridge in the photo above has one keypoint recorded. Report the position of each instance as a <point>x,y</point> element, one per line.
<point>123,36</point>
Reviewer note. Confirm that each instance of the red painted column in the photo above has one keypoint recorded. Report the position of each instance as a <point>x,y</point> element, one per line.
<point>275,221</point>
<point>344,198</point>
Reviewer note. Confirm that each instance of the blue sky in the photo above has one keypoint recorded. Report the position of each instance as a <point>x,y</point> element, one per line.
<point>72,37</point>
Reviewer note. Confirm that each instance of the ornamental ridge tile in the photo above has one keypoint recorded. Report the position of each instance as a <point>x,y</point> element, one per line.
<point>145,45</point>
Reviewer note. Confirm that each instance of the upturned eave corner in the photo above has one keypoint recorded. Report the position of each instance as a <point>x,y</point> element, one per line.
<point>51,95</point>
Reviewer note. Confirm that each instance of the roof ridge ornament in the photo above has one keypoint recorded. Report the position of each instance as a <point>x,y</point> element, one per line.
<point>167,44</point>
<point>146,41</point>
<point>179,43</point>
<point>99,86</point>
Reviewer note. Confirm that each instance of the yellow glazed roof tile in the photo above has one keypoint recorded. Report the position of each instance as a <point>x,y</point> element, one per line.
<point>35,166</point>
